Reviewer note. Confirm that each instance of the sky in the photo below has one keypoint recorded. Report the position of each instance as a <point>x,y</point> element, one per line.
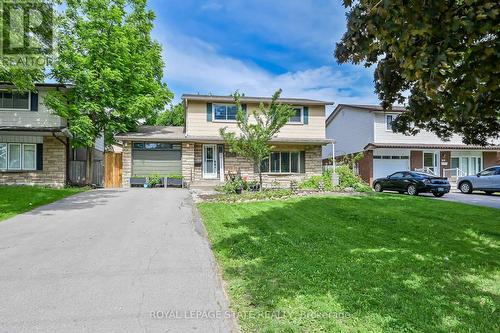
<point>257,47</point>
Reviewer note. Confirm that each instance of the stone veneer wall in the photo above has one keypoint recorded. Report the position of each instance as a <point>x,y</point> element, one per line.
<point>126,163</point>
<point>188,153</point>
<point>54,168</point>
<point>236,164</point>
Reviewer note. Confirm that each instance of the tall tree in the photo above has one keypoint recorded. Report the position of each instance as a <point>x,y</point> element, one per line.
<point>173,116</point>
<point>106,51</point>
<point>253,141</point>
<point>445,54</point>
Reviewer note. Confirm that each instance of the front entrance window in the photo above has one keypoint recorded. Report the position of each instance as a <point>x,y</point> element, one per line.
<point>430,162</point>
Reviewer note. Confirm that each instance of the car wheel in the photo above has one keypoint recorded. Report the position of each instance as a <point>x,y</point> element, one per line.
<point>412,190</point>
<point>438,195</point>
<point>378,187</point>
<point>466,187</point>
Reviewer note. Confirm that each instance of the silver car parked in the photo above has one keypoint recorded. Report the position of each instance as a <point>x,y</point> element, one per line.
<point>487,180</point>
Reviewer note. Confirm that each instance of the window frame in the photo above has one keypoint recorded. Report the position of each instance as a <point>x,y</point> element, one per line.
<point>20,156</point>
<point>289,152</point>
<point>214,119</point>
<point>6,155</point>
<point>387,127</point>
<point>301,122</point>
<point>35,157</point>
<point>13,108</point>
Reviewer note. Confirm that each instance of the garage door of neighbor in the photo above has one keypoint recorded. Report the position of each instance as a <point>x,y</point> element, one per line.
<point>151,158</point>
<point>386,165</point>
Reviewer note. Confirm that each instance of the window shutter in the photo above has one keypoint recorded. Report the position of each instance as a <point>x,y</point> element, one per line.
<point>39,156</point>
<point>306,115</point>
<point>302,162</point>
<point>34,101</point>
<point>244,108</point>
<point>209,112</point>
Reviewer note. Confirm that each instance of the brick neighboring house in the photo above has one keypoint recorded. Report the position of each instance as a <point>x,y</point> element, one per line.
<point>367,128</point>
<point>34,146</point>
<point>198,153</point>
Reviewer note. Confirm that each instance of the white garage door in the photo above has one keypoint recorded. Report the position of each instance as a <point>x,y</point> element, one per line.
<point>383,166</point>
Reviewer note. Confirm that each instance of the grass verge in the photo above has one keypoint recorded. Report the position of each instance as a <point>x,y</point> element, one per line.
<point>381,263</point>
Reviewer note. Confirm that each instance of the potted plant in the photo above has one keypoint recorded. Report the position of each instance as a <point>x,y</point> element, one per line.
<point>174,180</point>
<point>155,181</point>
<point>137,181</point>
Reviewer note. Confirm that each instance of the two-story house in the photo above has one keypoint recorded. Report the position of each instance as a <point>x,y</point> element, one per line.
<point>368,129</point>
<point>34,142</point>
<point>198,153</point>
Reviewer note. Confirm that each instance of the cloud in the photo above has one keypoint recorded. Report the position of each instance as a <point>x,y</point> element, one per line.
<point>200,66</point>
<point>211,6</point>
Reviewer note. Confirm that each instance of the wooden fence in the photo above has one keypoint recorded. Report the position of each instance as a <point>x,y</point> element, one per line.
<point>113,170</point>
<point>77,172</point>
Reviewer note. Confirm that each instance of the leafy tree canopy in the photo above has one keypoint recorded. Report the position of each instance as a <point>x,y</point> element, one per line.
<point>444,54</point>
<point>255,133</point>
<point>173,116</point>
<point>105,50</point>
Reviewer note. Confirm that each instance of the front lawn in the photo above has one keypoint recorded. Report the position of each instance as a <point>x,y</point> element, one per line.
<point>19,199</point>
<point>377,263</point>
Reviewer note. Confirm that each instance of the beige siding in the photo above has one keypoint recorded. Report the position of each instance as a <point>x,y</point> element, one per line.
<point>41,118</point>
<point>197,124</point>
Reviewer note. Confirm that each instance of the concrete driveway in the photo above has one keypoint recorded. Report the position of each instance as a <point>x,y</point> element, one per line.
<point>110,261</point>
<point>476,198</point>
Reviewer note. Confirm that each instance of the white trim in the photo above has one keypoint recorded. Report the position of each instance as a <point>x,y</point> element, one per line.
<point>20,156</point>
<point>215,154</point>
<point>14,109</point>
<point>387,128</point>
<point>223,120</point>
<point>301,122</point>
<point>35,158</point>
<point>289,163</point>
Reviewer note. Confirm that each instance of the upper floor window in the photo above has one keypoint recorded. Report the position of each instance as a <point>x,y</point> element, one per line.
<point>224,111</point>
<point>388,122</point>
<point>14,100</point>
<point>298,116</point>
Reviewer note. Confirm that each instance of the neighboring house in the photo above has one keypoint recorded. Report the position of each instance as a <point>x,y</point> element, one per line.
<point>198,153</point>
<point>34,143</point>
<point>368,129</point>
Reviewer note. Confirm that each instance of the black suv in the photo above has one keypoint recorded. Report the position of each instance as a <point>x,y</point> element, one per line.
<point>413,183</point>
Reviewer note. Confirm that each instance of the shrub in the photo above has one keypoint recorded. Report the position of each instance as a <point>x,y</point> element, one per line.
<point>231,186</point>
<point>175,176</point>
<point>314,182</point>
<point>347,178</point>
<point>154,180</point>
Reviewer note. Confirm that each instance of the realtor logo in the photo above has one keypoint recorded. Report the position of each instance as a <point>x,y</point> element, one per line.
<point>26,27</point>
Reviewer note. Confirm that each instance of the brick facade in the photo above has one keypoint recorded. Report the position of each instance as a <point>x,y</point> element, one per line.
<point>491,158</point>
<point>365,166</point>
<point>416,159</point>
<point>54,168</point>
<point>445,162</point>
<point>234,164</point>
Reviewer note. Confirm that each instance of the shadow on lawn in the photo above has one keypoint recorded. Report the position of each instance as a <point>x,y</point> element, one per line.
<point>393,263</point>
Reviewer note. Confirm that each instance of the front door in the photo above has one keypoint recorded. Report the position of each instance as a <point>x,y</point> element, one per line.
<point>431,160</point>
<point>210,161</point>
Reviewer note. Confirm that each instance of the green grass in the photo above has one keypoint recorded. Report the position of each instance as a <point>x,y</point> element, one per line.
<point>378,263</point>
<point>19,199</point>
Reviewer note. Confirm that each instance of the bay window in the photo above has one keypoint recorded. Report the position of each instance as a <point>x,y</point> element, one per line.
<point>284,162</point>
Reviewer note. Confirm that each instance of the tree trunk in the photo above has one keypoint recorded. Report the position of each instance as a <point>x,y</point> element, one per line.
<point>260,180</point>
<point>90,166</point>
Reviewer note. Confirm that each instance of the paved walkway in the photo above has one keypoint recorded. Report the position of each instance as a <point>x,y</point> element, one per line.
<point>110,261</point>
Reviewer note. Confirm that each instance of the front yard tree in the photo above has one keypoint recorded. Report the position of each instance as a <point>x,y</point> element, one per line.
<point>253,141</point>
<point>106,51</point>
<point>445,54</point>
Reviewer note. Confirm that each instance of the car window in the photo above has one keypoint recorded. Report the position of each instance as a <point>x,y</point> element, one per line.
<point>488,172</point>
<point>397,175</point>
<point>407,175</point>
